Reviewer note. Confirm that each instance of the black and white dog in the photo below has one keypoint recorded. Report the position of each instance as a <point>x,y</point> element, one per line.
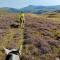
<point>13,54</point>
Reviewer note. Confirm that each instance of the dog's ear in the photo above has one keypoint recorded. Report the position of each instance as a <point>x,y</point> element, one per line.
<point>20,49</point>
<point>7,50</point>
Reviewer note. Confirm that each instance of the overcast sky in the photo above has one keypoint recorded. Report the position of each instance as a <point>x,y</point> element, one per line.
<point>23,3</point>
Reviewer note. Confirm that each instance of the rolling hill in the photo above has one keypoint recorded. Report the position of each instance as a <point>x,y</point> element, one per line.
<point>40,9</point>
<point>41,35</point>
<point>32,9</point>
<point>7,9</point>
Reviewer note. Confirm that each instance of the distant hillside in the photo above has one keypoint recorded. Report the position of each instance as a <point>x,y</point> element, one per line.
<point>6,9</point>
<point>33,9</point>
<point>40,9</point>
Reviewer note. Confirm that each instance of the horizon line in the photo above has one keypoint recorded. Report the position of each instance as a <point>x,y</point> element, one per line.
<point>29,5</point>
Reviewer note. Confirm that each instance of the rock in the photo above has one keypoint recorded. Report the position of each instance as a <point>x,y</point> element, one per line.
<point>14,25</point>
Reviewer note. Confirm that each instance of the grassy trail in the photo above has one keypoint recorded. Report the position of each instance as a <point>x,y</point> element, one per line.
<point>14,38</point>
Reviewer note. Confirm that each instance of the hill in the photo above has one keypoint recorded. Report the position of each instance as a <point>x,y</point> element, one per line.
<point>41,35</point>
<point>32,9</point>
<point>40,9</point>
<point>10,10</point>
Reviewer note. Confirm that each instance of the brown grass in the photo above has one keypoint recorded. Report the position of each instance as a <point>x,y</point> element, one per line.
<point>40,36</point>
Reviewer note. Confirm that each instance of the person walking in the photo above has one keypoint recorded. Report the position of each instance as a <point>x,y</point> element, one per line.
<point>21,19</point>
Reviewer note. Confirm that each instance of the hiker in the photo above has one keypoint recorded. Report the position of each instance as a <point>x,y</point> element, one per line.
<point>21,19</point>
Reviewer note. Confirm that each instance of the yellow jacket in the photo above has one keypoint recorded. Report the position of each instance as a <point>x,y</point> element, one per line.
<point>21,15</point>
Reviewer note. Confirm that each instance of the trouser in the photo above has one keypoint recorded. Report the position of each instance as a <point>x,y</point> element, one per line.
<point>21,22</point>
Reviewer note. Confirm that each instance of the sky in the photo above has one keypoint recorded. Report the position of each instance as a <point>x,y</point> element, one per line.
<point>23,3</point>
